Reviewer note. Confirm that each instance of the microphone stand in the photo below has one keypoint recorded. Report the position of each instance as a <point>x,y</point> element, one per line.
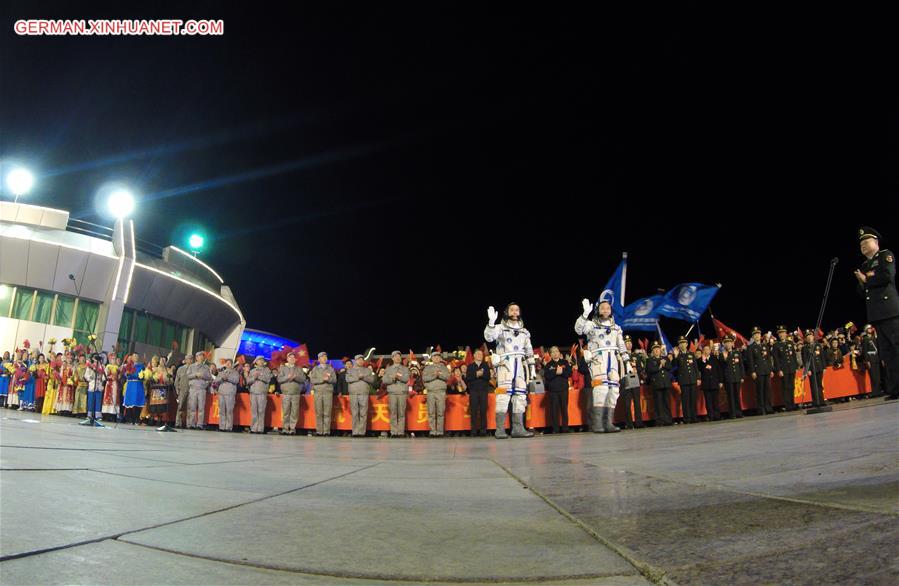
<point>819,405</point>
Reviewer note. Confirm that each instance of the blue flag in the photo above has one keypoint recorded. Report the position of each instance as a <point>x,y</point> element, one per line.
<point>613,292</point>
<point>641,315</point>
<point>687,301</point>
<point>666,345</point>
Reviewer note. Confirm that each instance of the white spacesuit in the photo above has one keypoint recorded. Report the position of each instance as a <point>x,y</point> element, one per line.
<point>513,360</point>
<point>605,344</point>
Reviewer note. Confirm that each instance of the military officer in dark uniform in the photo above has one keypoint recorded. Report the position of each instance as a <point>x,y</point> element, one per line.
<point>658,369</point>
<point>630,394</point>
<point>710,375</point>
<point>734,375</point>
<point>813,359</point>
<point>786,365</point>
<point>877,284</point>
<point>687,379</point>
<point>871,359</point>
<point>759,367</point>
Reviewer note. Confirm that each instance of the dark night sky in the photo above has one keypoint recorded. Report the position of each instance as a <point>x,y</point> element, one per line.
<point>380,175</point>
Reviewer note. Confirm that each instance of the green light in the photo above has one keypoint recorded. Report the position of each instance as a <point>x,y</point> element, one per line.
<point>195,241</point>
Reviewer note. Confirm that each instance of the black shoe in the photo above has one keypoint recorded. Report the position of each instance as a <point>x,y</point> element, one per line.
<point>891,397</point>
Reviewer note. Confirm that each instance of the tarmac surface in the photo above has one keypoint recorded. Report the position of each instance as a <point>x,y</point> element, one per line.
<point>787,498</point>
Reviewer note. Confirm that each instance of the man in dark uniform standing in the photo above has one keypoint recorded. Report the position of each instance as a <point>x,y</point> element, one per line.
<point>732,365</point>
<point>813,359</point>
<point>658,369</point>
<point>786,365</point>
<point>759,364</point>
<point>710,375</point>
<point>871,359</point>
<point>630,394</point>
<point>687,379</point>
<point>877,284</point>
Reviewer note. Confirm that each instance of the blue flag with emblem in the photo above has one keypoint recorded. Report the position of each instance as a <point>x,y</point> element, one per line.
<point>613,292</point>
<point>642,314</point>
<point>687,301</point>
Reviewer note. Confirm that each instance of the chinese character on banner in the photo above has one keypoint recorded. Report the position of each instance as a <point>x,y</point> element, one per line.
<point>466,413</point>
<point>422,413</point>
<point>381,413</point>
<point>338,413</point>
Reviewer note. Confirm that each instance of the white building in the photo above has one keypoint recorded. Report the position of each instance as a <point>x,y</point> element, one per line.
<point>61,278</point>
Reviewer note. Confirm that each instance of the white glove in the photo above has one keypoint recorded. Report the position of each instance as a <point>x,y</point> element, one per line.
<point>492,315</point>
<point>588,307</point>
<point>588,356</point>
<point>495,360</point>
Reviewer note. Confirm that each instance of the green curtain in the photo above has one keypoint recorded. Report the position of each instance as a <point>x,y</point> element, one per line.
<point>140,328</point>
<point>21,308</point>
<point>86,320</point>
<point>65,307</point>
<point>125,326</point>
<point>43,307</point>
<point>5,300</point>
<point>155,332</point>
<point>168,334</point>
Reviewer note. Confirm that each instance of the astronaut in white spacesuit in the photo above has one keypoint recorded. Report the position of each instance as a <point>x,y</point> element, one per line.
<point>605,345</point>
<point>514,362</point>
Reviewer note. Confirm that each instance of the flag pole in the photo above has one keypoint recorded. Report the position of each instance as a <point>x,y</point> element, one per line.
<point>623,277</point>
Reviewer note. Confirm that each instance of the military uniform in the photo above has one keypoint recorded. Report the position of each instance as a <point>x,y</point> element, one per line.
<point>871,359</point>
<point>732,366</point>
<point>687,379</point>
<point>882,305</point>
<point>323,380</point>
<point>814,363</point>
<point>435,376</point>
<point>786,365</point>
<point>710,373</point>
<point>227,380</point>
<point>360,380</point>
<point>759,366</point>
<point>258,379</point>
<point>292,381</point>
<point>396,377</point>
<point>199,377</point>
<point>630,393</point>
<point>182,388</point>
<point>659,372</point>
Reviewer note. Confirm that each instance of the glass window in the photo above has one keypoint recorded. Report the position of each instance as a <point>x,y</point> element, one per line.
<point>21,308</point>
<point>140,328</point>
<point>65,309</point>
<point>86,320</point>
<point>155,332</point>
<point>5,300</point>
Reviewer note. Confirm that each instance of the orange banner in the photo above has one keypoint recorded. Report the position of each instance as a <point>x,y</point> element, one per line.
<point>839,382</point>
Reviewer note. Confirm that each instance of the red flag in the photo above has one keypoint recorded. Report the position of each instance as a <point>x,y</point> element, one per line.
<point>378,365</point>
<point>574,351</point>
<point>799,332</point>
<point>469,356</point>
<point>278,358</point>
<point>724,330</point>
<point>438,349</point>
<point>411,356</point>
<point>701,340</point>
<point>692,347</point>
<point>302,353</point>
<point>820,334</point>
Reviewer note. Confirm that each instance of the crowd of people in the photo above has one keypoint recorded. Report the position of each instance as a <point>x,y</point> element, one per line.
<point>602,366</point>
<point>98,386</point>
